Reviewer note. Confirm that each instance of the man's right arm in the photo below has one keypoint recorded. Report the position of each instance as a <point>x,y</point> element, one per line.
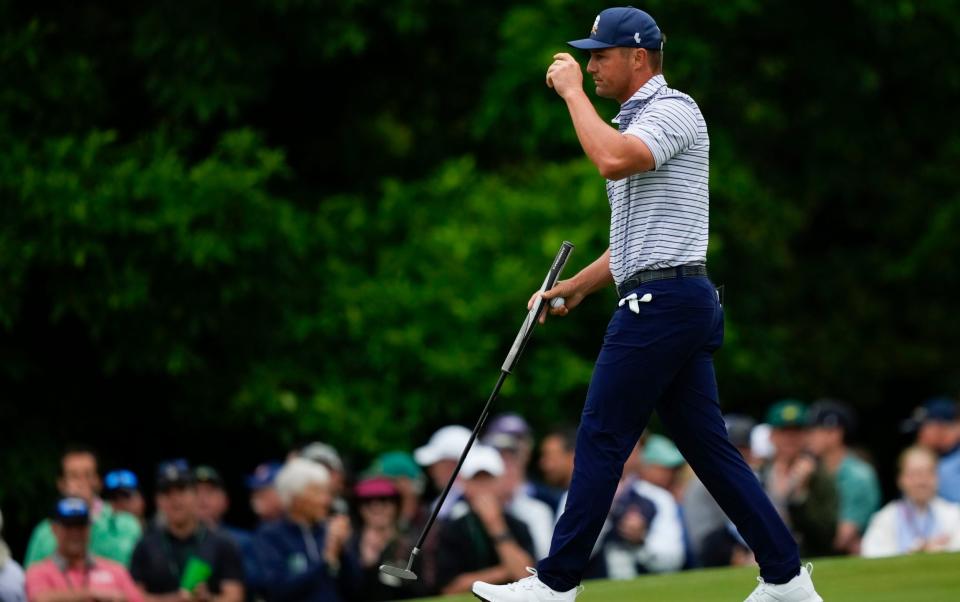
<point>587,281</point>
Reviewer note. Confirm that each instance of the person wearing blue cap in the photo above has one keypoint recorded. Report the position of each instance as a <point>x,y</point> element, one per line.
<point>113,535</point>
<point>937,424</point>
<point>121,489</point>
<point>658,349</point>
<point>264,500</point>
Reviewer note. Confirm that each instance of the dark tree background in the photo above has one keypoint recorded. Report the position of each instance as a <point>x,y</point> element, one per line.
<point>230,227</point>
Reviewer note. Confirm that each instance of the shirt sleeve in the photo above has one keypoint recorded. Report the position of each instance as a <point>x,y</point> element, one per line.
<point>42,544</point>
<point>138,563</point>
<point>37,581</point>
<point>859,498</point>
<point>668,127</point>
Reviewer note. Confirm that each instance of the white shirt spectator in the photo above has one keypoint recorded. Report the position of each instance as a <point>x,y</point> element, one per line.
<point>538,517</point>
<point>899,528</point>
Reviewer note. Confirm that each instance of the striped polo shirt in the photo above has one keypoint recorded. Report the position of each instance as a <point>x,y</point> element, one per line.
<point>660,218</point>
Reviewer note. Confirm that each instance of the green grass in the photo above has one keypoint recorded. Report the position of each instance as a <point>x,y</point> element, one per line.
<point>920,578</point>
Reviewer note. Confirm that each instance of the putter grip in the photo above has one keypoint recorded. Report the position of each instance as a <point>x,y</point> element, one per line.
<point>531,320</point>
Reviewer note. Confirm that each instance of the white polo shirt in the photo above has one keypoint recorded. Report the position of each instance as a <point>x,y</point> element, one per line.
<point>660,218</point>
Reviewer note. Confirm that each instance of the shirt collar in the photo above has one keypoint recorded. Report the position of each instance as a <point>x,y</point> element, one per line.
<point>642,95</point>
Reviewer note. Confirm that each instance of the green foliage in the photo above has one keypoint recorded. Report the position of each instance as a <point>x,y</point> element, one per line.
<point>307,219</point>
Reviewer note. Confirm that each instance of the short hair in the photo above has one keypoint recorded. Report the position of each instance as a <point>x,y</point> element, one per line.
<point>915,450</point>
<point>78,450</point>
<point>296,475</point>
<point>654,57</point>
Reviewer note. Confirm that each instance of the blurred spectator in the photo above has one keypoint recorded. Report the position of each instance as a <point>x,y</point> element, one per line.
<point>212,499</point>
<point>303,556</point>
<point>327,456</point>
<point>379,540</point>
<point>556,460</point>
<point>797,484</point>
<point>439,457</point>
<point>11,574</point>
<point>725,547</point>
<point>183,558</point>
<point>831,423</point>
<point>121,489</point>
<point>661,463</point>
<point>510,435</point>
<point>713,539</point>
<point>761,447</point>
<point>264,500</point>
<point>482,541</point>
<point>212,505</point>
<point>402,469</point>
<point>645,533</point>
<point>72,574</point>
<point>510,432</point>
<point>112,534</point>
<point>919,521</point>
<point>937,425</point>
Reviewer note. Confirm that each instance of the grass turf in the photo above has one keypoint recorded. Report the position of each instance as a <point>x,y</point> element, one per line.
<point>919,578</point>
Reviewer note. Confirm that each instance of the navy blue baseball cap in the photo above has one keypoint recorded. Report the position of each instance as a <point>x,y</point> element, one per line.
<point>71,511</point>
<point>623,26</point>
<point>936,409</point>
<point>263,475</point>
<point>831,413</point>
<point>174,473</point>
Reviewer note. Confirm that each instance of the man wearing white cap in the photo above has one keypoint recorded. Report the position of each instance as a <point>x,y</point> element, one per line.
<point>439,458</point>
<point>490,544</point>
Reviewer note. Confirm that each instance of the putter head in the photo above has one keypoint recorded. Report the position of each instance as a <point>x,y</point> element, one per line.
<point>398,572</point>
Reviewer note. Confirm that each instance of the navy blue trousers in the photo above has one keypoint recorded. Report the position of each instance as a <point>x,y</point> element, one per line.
<point>662,359</point>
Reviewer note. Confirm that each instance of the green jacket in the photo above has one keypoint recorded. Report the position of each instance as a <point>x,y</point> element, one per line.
<point>813,517</point>
<point>113,535</point>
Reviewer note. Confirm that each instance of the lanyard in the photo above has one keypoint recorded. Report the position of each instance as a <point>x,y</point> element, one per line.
<point>61,563</point>
<point>196,539</point>
<point>919,525</point>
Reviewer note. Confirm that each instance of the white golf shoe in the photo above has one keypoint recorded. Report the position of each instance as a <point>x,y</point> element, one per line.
<point>798,589</point>
<point>530,589</point>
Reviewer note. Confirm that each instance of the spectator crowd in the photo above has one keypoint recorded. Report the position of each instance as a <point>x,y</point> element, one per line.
<point>323,531</point>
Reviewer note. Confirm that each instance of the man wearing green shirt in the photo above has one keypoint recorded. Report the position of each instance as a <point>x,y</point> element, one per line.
<point>831,423</point>
<point>113,535</point>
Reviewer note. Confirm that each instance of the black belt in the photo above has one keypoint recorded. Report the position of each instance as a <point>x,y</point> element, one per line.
<point>643,276</point>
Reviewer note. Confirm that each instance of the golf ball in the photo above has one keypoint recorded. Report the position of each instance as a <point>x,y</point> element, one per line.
<point>557,301</point>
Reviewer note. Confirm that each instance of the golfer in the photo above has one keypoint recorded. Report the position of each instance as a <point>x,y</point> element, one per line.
<point>658,348</point>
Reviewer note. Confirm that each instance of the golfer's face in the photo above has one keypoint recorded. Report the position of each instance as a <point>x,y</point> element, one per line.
<point>610,69</point>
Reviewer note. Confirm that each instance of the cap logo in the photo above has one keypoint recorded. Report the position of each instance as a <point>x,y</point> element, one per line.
<point>636,37</point>
<point>596,24</point>
<point>791,413</point>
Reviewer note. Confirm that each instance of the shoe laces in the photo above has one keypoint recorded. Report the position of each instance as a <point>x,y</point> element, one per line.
<point>533,582</point>
<point>528,583</point>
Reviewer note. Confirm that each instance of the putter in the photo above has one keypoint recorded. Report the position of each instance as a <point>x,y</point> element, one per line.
<point>526,330</point>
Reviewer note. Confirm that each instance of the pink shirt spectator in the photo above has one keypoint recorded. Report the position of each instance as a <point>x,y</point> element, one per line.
<point>101,576</point>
